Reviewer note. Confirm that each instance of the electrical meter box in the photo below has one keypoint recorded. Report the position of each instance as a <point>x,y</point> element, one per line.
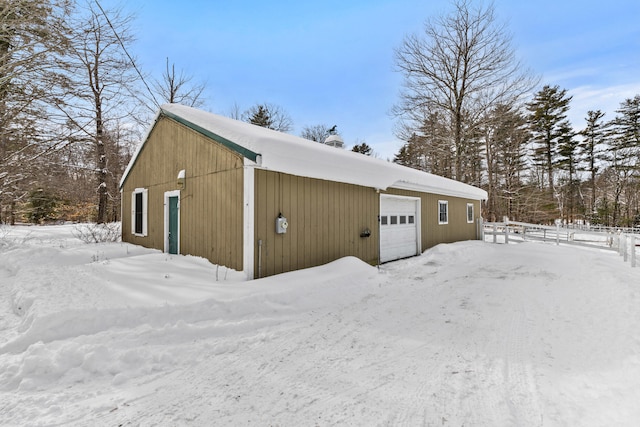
<point>281,224</point>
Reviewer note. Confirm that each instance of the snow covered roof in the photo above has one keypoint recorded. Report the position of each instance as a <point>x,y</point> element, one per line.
<point>281,152</point>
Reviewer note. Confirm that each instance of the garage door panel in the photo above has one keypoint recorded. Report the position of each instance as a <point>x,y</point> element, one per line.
<point>398,227</point>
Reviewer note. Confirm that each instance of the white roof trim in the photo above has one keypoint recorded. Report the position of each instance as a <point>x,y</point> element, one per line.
<point>281,152</point>
<point>403,185</point>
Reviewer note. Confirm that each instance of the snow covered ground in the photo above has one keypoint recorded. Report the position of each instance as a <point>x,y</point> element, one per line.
<point>471,333</point>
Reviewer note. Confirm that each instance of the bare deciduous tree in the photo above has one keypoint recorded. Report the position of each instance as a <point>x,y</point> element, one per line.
<point>317,133</point>
<point>460,66</point>
<point>178,88</point>
<point>235,112</point>
<point>103,77</point>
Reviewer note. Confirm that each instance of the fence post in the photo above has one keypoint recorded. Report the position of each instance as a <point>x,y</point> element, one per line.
<point>625,252</point>
<point>557,234</point>
<point>495,233</point>
<point>633,251</point>
<point>506,233</point>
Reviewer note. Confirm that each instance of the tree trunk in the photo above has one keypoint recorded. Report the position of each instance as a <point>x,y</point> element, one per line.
<point>593,187</point>
<point>101,172</point>
<point>12,213</point>
<point>549,155</point>
<point>101,161</point>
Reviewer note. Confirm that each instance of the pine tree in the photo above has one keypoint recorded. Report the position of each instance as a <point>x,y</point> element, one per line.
<point>429,149</point>
<point>593,140</point>
<point>548,123</point>
<point>505,140</point>
<point>568,160</point>
<point>627,124</point>
<point>261,117</point>
<point>32,41</point>
<point>363,148</point>
<point>624,155</point>
<point>412,154</point>
<point>269,116</point>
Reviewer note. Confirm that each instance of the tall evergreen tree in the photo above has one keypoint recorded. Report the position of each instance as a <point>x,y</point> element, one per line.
<point>505,140</point>
<point>33,38</point>
<point>624,155</point>
<point>593,141</point>
<point>627,125</point>
<point>548,124</point>
<point>568,160</point>
<point>412,154</point>
<point>428,148</point>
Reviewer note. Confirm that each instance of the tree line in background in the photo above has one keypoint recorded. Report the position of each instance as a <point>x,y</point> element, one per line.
<point>74,104</point>
<point>465,114</point>
<point>68,98</point>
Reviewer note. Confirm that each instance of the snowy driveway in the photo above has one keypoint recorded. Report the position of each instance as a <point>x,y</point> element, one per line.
<point>467,334</point>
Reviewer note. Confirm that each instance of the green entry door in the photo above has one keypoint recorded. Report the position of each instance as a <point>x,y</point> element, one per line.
<point>174,233</point>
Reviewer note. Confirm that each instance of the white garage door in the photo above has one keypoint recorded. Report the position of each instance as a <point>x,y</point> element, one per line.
<point>399,227</point>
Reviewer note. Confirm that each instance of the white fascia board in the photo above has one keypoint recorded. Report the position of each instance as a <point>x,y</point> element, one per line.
<point>477,194</point>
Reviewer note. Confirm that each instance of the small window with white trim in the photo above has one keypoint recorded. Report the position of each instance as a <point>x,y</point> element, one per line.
<point>394,220</point>
<point>139,202</point>
<point>469,213</point>
<point>443,212</point>
<point>383,220</point>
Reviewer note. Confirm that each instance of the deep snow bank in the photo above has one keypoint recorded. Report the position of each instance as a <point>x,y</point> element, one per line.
<point>466,334</point>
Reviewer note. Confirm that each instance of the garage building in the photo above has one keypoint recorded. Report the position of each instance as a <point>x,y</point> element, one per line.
<point>265,202</point>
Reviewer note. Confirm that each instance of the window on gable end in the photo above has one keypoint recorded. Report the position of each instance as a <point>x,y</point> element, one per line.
<point>139,214</point>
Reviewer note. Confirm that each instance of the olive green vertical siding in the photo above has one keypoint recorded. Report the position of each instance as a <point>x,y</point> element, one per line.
<point>211,204</point>
<point>457,229</point>
<point>325,221</point>
<point>325,218</point>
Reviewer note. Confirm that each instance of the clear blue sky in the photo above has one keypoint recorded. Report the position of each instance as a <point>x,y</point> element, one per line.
<point>331,62</point>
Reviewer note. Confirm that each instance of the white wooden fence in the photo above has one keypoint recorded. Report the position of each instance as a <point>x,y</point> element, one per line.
<point>625,243</point>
